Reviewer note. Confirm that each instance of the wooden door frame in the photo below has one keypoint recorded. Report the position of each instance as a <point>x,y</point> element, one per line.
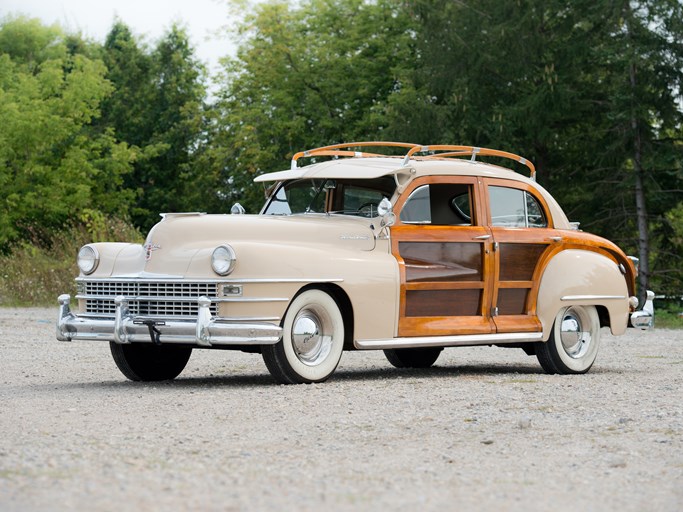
<point>527,321</point>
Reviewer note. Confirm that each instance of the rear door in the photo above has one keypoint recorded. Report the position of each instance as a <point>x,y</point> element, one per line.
<point>523,237</point>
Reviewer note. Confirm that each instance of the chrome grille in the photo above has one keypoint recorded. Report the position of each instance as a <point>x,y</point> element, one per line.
<point>147,298</point>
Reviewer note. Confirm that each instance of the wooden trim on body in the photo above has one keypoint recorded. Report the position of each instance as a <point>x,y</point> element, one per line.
<point>515,299</point>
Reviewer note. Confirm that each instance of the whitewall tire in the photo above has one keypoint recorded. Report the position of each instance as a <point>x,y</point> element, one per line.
<point>312,340</point>
<point>574,341</point>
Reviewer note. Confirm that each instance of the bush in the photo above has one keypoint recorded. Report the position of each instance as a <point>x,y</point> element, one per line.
<point>36,271</point>
<point>669,314</point>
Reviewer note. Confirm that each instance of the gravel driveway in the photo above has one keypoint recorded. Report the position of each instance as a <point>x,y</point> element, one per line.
<point>483,429</point>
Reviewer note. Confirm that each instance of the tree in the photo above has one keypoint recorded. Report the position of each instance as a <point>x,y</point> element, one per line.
<point>129,69</point>
<point>590,91</point>
<point>176,120</point>
<point>305,76</point>
<point>156,107</point>
<point>644,59</point>
<point>53,167</point>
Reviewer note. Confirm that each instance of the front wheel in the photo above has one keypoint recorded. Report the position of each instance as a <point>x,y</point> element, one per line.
<point>147,362</point>
<point>312,340</point>
<point>573,343</point>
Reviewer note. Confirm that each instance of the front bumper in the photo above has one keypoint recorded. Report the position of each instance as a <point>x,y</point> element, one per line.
<point>204,330</point>
<point>645,318</point>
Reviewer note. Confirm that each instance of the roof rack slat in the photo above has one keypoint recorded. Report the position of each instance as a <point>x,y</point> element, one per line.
<point>444,151</point>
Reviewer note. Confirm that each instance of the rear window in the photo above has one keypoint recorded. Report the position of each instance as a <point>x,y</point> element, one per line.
<point>515,208</point>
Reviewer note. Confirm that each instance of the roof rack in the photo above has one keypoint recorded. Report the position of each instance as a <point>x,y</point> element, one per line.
<point>337,150</point>
<point>438,151</point>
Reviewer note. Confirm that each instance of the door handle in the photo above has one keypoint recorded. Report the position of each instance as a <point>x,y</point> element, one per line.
<point>556,238</point>
<point>482,237</point>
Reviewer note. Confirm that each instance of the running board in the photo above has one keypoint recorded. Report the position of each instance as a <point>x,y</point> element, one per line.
<point>465,340</point>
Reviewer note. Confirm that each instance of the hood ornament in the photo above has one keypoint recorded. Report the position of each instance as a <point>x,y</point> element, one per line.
<point>149,248</point>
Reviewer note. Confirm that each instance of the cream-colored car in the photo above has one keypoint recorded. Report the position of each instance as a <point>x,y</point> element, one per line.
<point>361,251</point>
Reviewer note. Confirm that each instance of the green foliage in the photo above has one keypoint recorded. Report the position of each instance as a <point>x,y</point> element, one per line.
<point>668,252</point>
<point>669,314</point>
<point>52,165</point>
<point>156,107</point>
<point>305,76</point>
<point>589,90</point>
<point>38,269</point>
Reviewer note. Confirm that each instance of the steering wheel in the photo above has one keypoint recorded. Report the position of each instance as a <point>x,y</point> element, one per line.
<point>367,209</point>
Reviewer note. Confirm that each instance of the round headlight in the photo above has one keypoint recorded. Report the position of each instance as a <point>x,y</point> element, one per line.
<point>223,260</point>
<point>88,259</point>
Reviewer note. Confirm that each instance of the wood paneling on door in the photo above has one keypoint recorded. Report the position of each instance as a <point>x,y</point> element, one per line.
<point>518,261</point>
<point>442,261</point>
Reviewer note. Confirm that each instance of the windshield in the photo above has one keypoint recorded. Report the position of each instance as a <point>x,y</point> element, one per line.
<point>350,197</point>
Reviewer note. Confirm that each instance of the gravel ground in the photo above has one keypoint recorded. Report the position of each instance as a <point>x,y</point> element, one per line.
<point>483,429</point>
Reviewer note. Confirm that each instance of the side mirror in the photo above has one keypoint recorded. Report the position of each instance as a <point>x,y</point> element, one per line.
<point>384,208</point>
<point>237,209</point>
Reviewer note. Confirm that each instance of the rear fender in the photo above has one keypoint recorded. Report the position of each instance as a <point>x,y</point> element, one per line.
<point>577,277</point>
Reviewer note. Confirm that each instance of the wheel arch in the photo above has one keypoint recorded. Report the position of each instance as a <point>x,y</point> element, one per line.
<point>582,277</point>
<point>603,315</point>
<point>343,301</point>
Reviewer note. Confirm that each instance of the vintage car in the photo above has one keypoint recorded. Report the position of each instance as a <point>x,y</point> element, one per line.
<point>408,254</point>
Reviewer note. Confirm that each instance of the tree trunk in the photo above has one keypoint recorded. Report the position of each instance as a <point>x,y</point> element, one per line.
<point>641,208</point>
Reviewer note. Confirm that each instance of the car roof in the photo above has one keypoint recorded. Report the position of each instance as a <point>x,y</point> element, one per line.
<point>366,166</point>
<point>376,167</point>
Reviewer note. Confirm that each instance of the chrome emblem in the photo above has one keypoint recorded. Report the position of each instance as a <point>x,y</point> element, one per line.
<point>149,248</point>
<point>354,237</point>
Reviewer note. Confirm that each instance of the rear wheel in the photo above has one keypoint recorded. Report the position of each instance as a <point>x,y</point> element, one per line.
<point>147,362</point>
<point>413,357</point>
<point>312,340</point>
<point>573,343</point>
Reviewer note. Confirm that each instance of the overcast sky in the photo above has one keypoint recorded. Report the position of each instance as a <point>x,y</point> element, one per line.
<point>151,18</point>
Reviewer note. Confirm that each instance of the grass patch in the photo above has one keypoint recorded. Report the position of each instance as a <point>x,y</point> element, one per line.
<point>37,270</point>
<point>669,317</point>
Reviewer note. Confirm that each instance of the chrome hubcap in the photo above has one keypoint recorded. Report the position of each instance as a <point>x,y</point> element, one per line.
<point>575,340</point>
<point>311,337</point>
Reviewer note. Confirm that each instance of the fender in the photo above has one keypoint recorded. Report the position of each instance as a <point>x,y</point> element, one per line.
<point>587,278</point>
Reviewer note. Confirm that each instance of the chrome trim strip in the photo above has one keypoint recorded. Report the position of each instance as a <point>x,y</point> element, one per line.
<point>104,316</point>
<point>205,281</point>
<point>250,299</point>
<point>179,279</point>
<point>144,297</point>
<point>248,319</point>
<point>279,281</point>
<point>184,299</point>
<point>593,297</point>
<point>448,341</point>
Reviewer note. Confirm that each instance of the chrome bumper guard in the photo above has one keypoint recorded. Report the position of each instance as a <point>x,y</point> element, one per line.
<point>204,330</point>
<point>645,318</point>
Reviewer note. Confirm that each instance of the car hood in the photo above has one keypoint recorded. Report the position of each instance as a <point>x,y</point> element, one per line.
<point>181,242</point>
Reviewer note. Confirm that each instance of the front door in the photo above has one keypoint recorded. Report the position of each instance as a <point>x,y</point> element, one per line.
<point>444,250</point>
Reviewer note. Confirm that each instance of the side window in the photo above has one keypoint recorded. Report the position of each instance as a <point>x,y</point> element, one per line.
<point>439,204</point>
<point>535,216</point>
<point>514,208</point>
<point>416,210</point>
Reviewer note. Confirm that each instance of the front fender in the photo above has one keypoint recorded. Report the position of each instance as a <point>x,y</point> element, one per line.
<point>581,277</point>
<point>279,270</point>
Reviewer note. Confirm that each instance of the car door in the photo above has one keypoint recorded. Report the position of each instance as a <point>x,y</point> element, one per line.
<point>523,237</point>
<point>444,251</point>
